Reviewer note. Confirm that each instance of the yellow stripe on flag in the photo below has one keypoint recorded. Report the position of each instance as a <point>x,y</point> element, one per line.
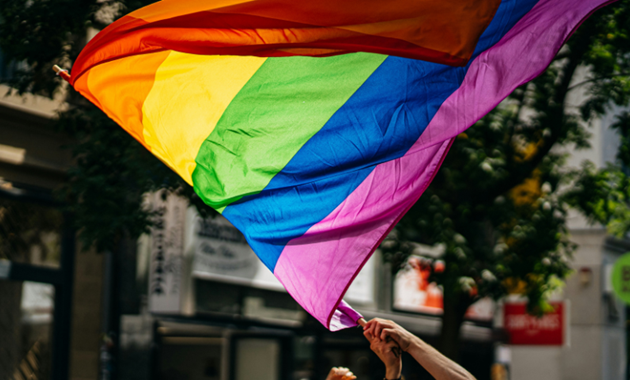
<point>190,94</point>
<point>120,88</point>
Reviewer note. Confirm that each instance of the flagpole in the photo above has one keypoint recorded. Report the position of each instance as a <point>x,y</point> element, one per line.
<point>62,73</point>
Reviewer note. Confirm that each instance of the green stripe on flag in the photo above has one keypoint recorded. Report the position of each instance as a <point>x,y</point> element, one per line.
<point>280,108</point>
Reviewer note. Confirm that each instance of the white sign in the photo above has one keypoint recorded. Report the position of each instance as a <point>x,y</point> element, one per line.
<point>5,269</point>
<point>166,272</point>
<point>221,253</point>
<point>362,289</point>
<point>184,245</point>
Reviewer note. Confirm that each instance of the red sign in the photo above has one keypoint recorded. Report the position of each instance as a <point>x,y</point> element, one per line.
<point>524,328</point>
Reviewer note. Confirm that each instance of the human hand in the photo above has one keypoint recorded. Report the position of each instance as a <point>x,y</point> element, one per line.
<point>383,328</point>
<point>389,352</point>
<point>340,373</point>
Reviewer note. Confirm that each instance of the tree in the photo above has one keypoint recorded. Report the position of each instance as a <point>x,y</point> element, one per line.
<point>498,204</point>
<point>105,188</point>
<point>604,194</point>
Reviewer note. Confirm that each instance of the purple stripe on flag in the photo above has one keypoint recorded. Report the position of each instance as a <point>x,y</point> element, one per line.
<point>317,268</point>
<point>343,317</point>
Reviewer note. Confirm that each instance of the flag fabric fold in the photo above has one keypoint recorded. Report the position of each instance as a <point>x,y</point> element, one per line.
<point>314,127</point>
<point>444,31</point>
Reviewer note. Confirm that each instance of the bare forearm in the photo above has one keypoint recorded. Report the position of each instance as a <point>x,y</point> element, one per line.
<point>392,372</point>
<point>438,365</point>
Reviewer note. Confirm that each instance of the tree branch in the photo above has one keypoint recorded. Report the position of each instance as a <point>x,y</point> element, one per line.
<point>524,170</point>
<point>514,121</point>
<point>598,78</point>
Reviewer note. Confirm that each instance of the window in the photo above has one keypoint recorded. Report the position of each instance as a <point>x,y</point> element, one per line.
<point>26,319</point>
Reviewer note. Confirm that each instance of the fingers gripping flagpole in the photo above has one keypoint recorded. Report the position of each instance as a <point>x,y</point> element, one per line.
<point>62,73</point>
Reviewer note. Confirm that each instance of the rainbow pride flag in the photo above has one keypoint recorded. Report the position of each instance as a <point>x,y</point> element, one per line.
<point>314,126</point>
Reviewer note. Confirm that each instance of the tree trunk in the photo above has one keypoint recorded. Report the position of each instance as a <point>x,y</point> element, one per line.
<point>455,306</point>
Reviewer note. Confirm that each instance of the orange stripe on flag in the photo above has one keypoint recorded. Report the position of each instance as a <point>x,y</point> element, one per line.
<point>168,9</point>
<point>449,26</point>
<point>121,87</point>
<point>443,31</point>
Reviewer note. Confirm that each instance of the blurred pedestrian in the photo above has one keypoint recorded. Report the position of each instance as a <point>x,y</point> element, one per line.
<point>387,339</point>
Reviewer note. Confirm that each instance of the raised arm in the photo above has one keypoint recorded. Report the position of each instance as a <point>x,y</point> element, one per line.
<point>438,365</point>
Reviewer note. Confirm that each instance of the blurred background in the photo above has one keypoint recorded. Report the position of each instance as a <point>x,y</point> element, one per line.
<point>112,268</point>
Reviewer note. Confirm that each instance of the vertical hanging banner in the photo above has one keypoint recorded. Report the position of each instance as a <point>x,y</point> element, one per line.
<point>166,270</point>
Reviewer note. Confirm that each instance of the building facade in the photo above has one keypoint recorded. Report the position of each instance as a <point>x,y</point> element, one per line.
<point>49,312</point>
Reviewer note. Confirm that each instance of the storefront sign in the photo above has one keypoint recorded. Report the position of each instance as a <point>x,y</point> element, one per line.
<point>621,278</point>
<point>526,329</point>
<point>221,253</point>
